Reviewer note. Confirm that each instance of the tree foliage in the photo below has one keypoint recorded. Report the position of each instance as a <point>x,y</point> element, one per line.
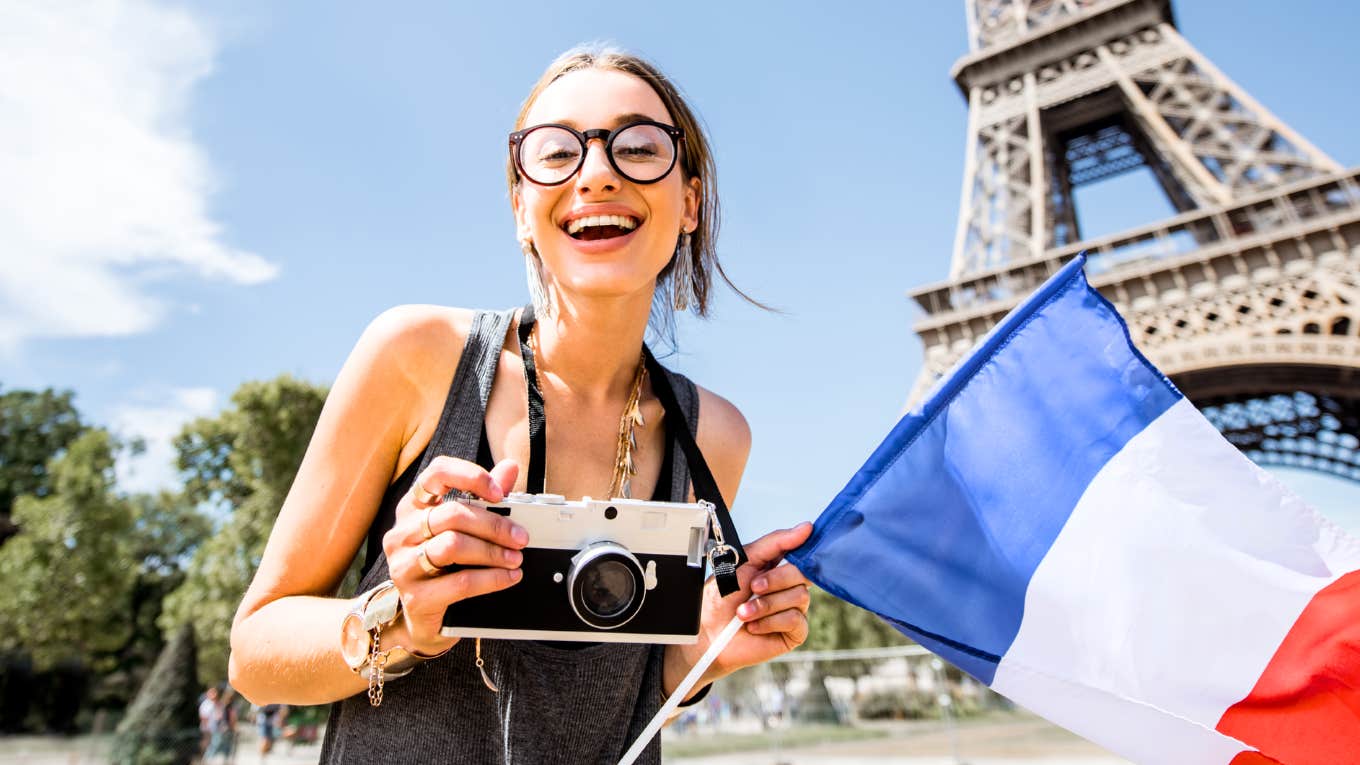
<point>161,726</point>
<point>256,445</point>
<point>835,625</point>
<point>68,572</point>
<point>35,426</point>
<point>166,530</point>
<point>87,570</point>
<point>243,462</point>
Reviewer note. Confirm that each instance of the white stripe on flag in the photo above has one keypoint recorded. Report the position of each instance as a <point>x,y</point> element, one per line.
<point>1172,584</point>
<point>1139,732</point>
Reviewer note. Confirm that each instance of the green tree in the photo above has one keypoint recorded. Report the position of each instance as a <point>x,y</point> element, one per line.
<point>67,573</point>
<point>89,567</point>
<point>241,462</point>
<point>161,726</point>
<point>35,426</point>
<point>835,625</point>
<point>166,529</point>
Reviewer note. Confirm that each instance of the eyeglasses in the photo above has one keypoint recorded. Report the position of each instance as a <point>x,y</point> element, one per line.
<point>642,151</point>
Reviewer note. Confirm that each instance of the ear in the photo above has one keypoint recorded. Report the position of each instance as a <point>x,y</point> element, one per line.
<point>522,230</point>
<point>694,191</point>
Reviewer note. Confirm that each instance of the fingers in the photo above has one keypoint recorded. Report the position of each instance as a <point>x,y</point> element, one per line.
<point>463,535</point>
<point>445,474</point>
<point>426,600</point>
<point>791,623</point>
<point>477,521</point>
<point>792,599</point>
<point>771,547</point>
<point>504,474</point>
<point>469,583</point>
<point>778,578</point>
<point>450,547</point>
<point>471,520</point>
<point>450,533</point>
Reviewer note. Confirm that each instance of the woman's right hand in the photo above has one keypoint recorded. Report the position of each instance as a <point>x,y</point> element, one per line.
<point>456,534</point>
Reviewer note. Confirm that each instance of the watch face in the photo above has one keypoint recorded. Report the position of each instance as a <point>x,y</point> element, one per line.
<point>354,641</point>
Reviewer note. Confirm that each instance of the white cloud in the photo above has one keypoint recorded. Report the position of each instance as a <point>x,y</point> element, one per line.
<point>158,424</point>
<point>102,188</point>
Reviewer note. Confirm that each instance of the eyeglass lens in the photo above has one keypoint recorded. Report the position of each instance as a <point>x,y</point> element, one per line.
<point>642,153</point>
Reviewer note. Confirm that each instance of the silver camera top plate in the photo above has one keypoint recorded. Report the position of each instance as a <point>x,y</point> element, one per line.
<point>643,526</point>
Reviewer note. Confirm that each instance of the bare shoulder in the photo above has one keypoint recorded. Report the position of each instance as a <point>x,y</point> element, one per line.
<point>416,350</point>
<point>411,338</point>
<point>371,422</point>
<point>725,439</point>
<point>721,423</point>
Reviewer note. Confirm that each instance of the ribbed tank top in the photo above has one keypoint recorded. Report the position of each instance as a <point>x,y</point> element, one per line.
<point>556,705</point>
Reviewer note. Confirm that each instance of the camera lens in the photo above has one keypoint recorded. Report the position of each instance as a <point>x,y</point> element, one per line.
<point>607,588</point>
<point>606,585</point>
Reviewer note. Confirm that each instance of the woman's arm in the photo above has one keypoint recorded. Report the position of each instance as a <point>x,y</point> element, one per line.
<point>285,637</point>
<point>776,621</point>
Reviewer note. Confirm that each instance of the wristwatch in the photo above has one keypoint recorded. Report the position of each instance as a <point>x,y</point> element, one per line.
<point>361,635</point>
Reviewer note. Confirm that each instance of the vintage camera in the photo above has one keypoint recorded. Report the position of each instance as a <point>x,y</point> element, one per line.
<point>619,570</point>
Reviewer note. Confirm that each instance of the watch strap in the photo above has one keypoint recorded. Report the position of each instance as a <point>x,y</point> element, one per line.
<point>399,663</point>
<point>382,606</point>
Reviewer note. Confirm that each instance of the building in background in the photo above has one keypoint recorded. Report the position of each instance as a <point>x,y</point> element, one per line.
<point>1248,296</point>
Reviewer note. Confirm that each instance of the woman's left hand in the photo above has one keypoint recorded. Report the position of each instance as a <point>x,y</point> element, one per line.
<point>775,621</point>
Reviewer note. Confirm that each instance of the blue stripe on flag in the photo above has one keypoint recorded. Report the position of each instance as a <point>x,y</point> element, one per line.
<point>941,530</point>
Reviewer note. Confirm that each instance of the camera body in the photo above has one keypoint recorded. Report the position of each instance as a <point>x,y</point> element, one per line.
<point>619,570</point>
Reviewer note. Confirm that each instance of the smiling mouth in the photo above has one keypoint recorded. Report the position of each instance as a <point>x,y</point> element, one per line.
<point>593,227</point>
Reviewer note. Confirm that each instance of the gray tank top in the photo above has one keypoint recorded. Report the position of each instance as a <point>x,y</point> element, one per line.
<point>555,705</point>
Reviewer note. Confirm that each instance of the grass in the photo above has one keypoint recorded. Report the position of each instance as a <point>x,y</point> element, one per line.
<point>793,737</point>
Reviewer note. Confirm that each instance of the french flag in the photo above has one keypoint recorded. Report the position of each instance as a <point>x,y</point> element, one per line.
<point>1061,523</point>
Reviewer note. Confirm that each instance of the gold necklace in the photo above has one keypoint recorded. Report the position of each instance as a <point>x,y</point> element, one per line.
<point>624,467</point>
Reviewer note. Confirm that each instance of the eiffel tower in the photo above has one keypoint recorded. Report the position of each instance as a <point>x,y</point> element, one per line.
<point>1248,297</point>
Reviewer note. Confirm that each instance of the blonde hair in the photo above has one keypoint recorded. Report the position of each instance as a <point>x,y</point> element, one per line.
<point>696,161</point>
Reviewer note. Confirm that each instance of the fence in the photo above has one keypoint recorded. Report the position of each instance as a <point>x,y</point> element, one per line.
<point>899,704</point>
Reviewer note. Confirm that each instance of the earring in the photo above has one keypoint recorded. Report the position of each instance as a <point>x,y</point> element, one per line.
<point>533,271</point>
<point>682,274</point>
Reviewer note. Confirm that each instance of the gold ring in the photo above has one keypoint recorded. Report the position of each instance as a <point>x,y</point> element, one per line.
<point>423,558</point>
<point>425,523</point>
<point>423,495</point>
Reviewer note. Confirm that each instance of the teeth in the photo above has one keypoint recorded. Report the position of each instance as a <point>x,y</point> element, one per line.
<point>622,221</point>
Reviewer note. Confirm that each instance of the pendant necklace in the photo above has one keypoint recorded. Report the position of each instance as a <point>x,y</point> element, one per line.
<point>625,467</point>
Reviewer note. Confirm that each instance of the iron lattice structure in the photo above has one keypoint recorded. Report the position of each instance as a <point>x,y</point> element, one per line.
<point>1247,297</point>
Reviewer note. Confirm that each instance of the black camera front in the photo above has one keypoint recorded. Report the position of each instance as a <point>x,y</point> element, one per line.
<point>606,585</point>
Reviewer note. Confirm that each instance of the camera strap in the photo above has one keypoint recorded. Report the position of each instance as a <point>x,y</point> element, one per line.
<point>705,487</point>
<point>726,562</point>
<point>538,438</point>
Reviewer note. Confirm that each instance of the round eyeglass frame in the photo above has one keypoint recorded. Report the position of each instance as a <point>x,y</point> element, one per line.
<point>585,137</point>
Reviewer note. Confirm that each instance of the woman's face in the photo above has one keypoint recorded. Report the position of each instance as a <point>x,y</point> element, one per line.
<point>624,264</point>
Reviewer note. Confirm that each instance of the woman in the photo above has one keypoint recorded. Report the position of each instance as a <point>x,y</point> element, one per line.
<point>615,213</point>
<point>223,723</point>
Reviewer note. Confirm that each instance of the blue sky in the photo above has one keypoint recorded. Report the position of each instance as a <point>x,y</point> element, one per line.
<point>201,194</point>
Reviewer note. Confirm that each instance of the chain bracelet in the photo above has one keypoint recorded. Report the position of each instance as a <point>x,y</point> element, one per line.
<point>376,661</point>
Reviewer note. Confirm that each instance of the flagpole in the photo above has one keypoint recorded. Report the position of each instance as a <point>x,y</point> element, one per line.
<point>682,691</point>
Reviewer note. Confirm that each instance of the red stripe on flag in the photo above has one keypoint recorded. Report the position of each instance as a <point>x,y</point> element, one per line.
<point>1253,758</point>
<point>1306,707</point>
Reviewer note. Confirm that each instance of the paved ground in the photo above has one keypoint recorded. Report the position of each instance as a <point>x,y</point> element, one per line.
<point>1013,740</point>
<point>88,750</point>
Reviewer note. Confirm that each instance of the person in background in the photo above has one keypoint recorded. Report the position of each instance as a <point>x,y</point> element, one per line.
<point>223,741</point>
<point>269,720</point>
<point>207,709</point>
